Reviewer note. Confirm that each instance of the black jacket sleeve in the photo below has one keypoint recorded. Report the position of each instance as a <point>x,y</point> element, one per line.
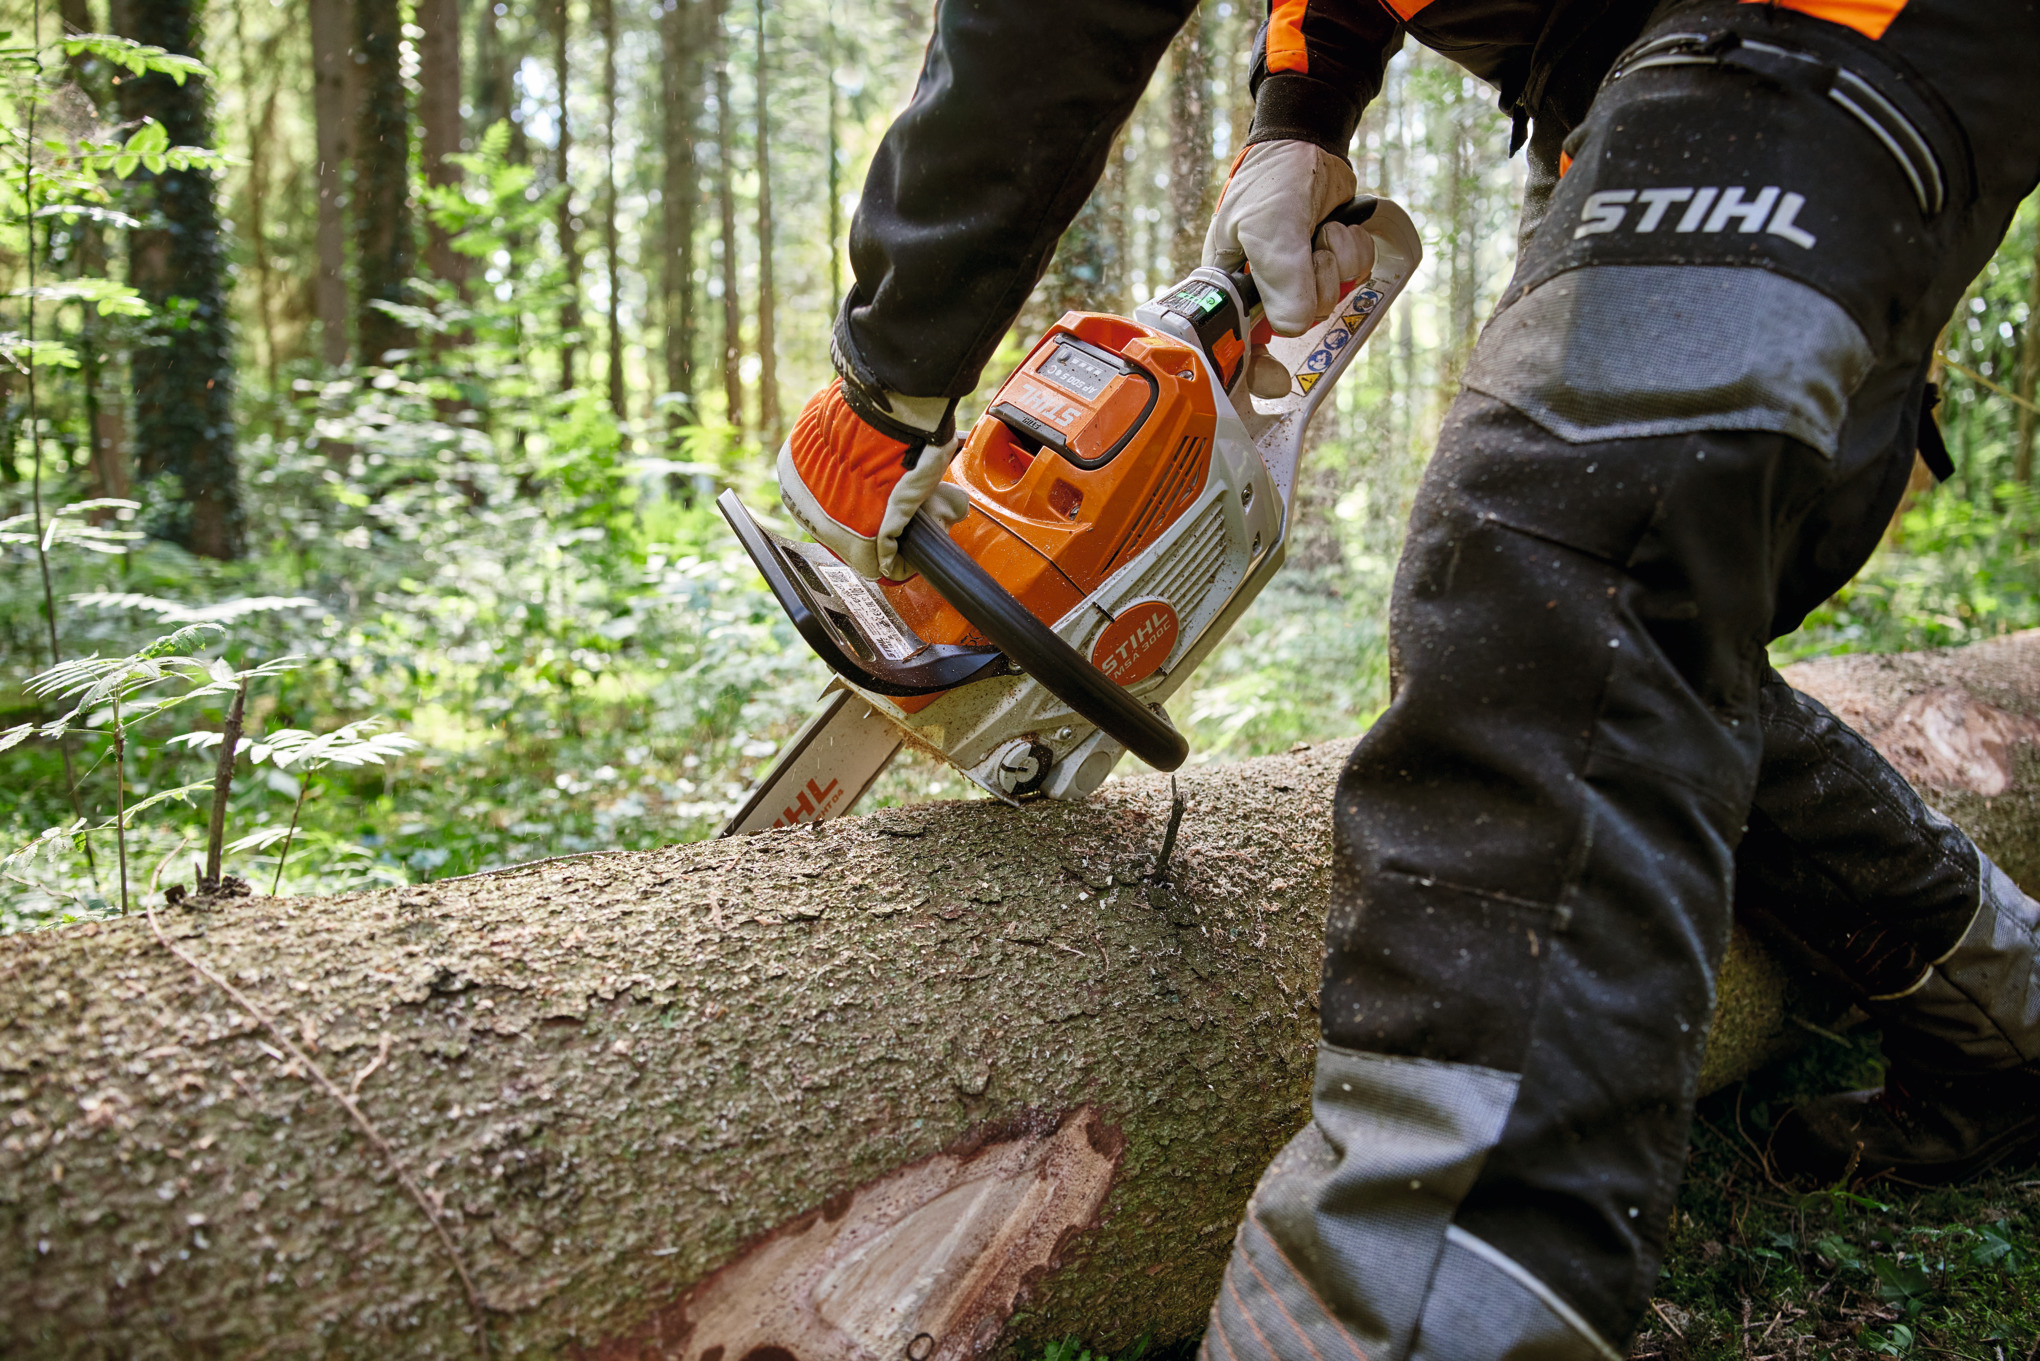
<point>969,192</point>
<point>1317,64</point>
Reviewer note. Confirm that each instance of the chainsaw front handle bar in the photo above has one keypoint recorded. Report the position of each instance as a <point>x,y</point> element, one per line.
<point>1068,675</point>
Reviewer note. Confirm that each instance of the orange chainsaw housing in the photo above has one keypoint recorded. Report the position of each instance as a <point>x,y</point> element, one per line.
<point>1132,411</point>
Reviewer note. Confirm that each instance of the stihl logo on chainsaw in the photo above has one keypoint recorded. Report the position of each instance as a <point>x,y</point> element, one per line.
<point>1137,642</point>
<point>814,803</point>
<point>1045,404</point>
<point>1705,209</point>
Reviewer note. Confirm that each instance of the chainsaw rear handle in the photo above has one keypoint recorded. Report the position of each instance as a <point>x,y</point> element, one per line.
<point>1068,675</point>
<point>1351,214</point>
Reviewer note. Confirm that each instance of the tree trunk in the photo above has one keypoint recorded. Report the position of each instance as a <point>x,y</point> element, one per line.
<point>384,251</point>
<point>726,206</point>
<point>332,27</point>
<point>619,388</point>
<point>568,225</point>
<point>1190,198</point>
<point>261,131</point>
<point>184,367</point>
<point>439,120</point>
<point>495,88</point>
<point>2028,378</point>
<point>768,300</point>
<point>951,1070</point>
<point>835,164</point>
<point>679,190</point>
<point>106,463</point>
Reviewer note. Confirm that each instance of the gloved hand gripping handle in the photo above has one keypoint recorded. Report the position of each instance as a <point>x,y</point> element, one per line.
<point>1354,212</point>
<point>1010,627</point>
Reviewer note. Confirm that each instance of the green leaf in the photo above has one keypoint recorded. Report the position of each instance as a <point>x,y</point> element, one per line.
<point>1901,1283</point>
<point>1992,1245</point>
<point>23,353</point>
<point>176,612</point>
<point>182,793</point>
<point>139,58</point>
<point>356,744</point>
<point>259,841</point>
<point>71,212</point>
<point>109,296</point>
<point>187,637</point>
<point>47,841</point>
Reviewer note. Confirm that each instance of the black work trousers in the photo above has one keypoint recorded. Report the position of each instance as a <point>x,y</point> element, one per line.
<point>1688,423</point>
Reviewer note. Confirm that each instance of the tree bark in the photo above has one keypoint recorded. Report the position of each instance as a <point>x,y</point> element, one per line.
<point>440,128</point>
<point>332,28</point>
<point>184,368</point>
<point>951,1069</point>
<point>384,248</point>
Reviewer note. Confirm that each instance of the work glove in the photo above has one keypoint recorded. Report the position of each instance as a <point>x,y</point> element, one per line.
<point>854,475</point>
<point>1278,192</point>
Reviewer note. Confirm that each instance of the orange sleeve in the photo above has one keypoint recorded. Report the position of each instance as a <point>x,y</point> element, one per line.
<point>1287,50</point>
<point>1868,17</point>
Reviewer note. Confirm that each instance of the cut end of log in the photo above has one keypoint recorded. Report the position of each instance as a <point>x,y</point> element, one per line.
<point>927,1262</point>
<point>1949,739</point>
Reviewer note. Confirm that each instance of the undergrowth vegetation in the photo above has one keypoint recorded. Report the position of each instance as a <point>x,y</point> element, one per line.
<point>1760,1269</point>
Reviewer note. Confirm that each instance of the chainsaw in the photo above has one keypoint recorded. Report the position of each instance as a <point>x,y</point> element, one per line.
<point>1129,497</point>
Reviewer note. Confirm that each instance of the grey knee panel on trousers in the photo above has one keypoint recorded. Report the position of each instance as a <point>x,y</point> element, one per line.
<point>1393,1148</point>
<point>1628,351</point>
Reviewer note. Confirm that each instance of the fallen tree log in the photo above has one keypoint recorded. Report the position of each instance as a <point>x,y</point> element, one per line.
<point>921,1084</point>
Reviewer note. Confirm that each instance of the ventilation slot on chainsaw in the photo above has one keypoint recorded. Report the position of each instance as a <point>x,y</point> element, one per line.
<point>1180,481</point>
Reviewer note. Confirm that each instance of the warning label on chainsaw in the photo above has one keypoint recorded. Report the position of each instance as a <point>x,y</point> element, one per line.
<point>871,616</point>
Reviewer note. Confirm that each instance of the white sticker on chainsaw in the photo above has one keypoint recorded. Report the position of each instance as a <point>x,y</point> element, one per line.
<point>856,597</point>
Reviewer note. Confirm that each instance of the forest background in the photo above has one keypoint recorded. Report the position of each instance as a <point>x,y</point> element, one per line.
<point>406,355</point>
<point>389,354</point>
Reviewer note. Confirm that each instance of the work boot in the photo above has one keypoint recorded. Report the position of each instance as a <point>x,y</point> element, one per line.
<point>1917,1126</point>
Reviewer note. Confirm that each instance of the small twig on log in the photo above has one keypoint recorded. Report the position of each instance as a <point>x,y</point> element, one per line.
<point>381,1053</point>
<point>157,873</point>
<point>361,1122</point>
<point>1160,873</point>
<point>223,785</point>
<point>520,865</point>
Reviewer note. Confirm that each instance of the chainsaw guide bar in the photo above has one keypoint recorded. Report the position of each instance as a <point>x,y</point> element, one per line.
<point>1129,498</point>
